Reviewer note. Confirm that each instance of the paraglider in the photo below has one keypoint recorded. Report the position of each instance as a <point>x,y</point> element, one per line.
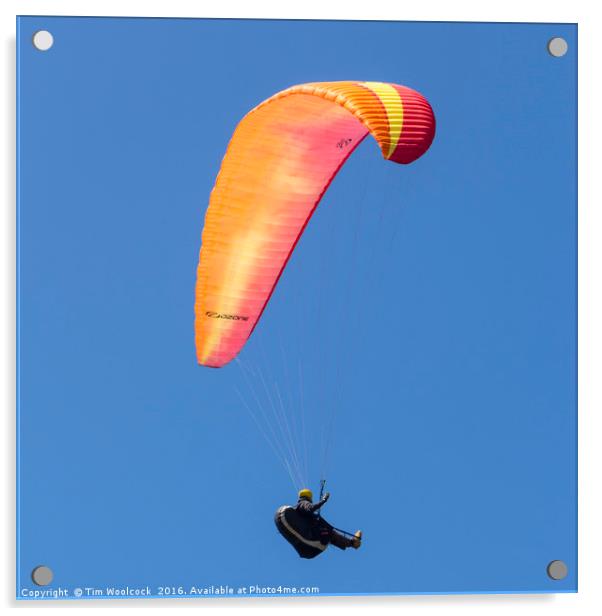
<point>307,531</point>
<point>280,161</point>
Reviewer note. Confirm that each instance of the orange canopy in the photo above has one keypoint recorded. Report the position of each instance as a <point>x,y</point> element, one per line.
<point>280,161</point>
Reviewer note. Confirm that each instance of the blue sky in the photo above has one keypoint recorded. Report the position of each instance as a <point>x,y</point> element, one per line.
<point>432,307</point>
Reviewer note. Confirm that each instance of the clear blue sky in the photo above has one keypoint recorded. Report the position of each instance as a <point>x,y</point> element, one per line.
<point>432,306</point>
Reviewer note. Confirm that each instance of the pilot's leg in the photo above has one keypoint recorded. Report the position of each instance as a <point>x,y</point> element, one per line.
<point>344,541</point>
<point>339,540</point>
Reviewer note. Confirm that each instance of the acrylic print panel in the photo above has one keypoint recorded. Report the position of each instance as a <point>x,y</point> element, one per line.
<point>417,352</point>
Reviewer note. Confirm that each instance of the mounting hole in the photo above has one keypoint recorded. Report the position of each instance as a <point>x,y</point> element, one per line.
<point>558,570</point>
<point>557,47</point>
<point>42,575</point>
<point>42,40</point>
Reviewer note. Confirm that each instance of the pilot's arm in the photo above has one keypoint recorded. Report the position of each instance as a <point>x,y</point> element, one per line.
<point>313,508</point>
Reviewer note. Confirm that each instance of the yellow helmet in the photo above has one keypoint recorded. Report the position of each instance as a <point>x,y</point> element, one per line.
<point>306,493</point>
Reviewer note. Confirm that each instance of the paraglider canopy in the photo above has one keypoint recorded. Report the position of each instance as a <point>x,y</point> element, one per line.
<point>280,161</point>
